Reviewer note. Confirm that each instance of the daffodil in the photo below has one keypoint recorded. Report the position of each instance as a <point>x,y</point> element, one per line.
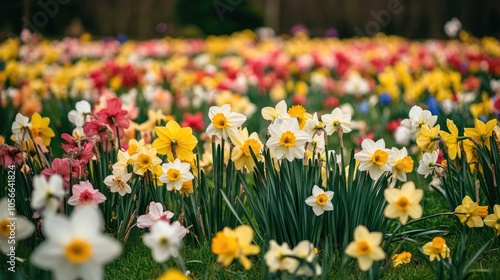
<point>175,142</point>
<point>164,240</point>
<point>117,182</point>
<point>320,200</point>
<point>277,257</point>
<point>47,195</point>
<point>134,146</point>
<point>337,119</point>
<point>374,158</point>
<point>244,145</point>
<point>468,214</point>
<point>20,128</point>
<point>365,247</point>
<point>403,202</point>
<point>427,163</point>
<point>223,121</point>
<point>303,254</point>
<point>401,163</point>
<point>451,139</point>
<point>123,161</point>
<point>437,248</point>
<point>145,160</point>
<point>231,244</point>
<point>270,113</point>
<point>75,248</point>
<point>175,174</point>
<point>401,258</point>
<point>40,128</point>
<point>82,113</point>
<point>427,138</point>
<point>417,118</point>
<point>300,113</point>
<point>172,274</point>
<point>493,220</point>
<point>481,131</point>
<point>12,225</point>
<point>286,140</point>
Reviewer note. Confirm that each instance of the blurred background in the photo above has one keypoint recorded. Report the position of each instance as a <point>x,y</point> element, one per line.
<point>147,19</point>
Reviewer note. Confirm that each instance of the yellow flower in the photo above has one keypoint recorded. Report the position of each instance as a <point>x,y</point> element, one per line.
<point>402,258</point>
<point>175,142</point>
<point>40,128</point>
<point>468,213</point>
<point>241,155</point>
<point>300,113</point>
<point>172,274</point>
<point>493,220</point>
<point>134,146</point>
<point>365,247</point>
<point>154,118</point>
<point>437,248</point>
<point>145,160</point>
<point>403,202</point>
<point>451,139</point>
<point>231,244</point>
<point>481,132</point>
<point>427,138</point>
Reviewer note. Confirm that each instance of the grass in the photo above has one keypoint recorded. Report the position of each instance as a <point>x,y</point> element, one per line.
<point>136,262</point>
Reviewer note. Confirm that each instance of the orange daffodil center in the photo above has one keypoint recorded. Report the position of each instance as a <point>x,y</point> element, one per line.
<point>220,121</point>
<point>78,251</point>
<point>380,157</point>
<point>322,199</point>
<point>4,228</point>
<point>287,139</point>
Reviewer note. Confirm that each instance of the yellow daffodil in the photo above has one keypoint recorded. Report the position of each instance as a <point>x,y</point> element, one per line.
<point>451,139</point>
<point>468,213</point>
<point>437,248</point>
<point>145,160</point>
<point>401,258</point>
<point>427,138</point>
<point>231,244</point>
<point>493,220</point>
<point>481,131</point>
<point>241,155</point>
<point>365,247</point>
<point>299,112</point>
<point>403,202</point>
<point>175,142</point>
<point>173,274</point>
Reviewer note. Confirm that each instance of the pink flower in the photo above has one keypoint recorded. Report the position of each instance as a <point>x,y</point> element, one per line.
<point>85,194</point>
<point>9,156</point>
<point>155,214</point>
<point>61,167</point>
<point>96,128</point>
<point>194,121</point>
<point>80,150</point>
<point>114,116</point>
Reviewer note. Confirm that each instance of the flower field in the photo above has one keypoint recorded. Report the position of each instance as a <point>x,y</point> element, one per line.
<point>246,157</point>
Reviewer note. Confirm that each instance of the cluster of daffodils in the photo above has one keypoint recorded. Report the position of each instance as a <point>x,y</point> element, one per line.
<point>299,261</point>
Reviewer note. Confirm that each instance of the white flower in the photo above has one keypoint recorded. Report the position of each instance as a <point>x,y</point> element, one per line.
<point>155,214</point>
<point>374,158</point>
<point>286,140</point>
<point>303,250</point>
<point>163,240</point>
<point>335,119</point>
<point>320,200</point>
<point>9,222</point>
<point>270,113</point>
<point>452,27</point>
<point>20,127</point>
<point>402,135</point>
<point>313,125</point>
<point>79,116</point>
<point>175,174</point>
<point>317,144</point>
<point>417,118</point>
<point>223,121</point>
<point>427,162</point>
<point>123,161</point>
<point>47,196</point>
<point>275,259</point>
<point>356,84</point>
<point>401,163</point>
<point>75,247</point>
<point>117,182</point>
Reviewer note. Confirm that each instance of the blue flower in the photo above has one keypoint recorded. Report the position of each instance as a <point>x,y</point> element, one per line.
<point>364,107</point>
<point>432,105</point>
<point>385,99</point>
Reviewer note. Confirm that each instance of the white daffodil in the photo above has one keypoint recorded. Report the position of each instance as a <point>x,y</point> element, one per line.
<point>175,174</point>
<point>117,182</point>
<point>401,163</point>
<point>374,158</point>
<point>276,259</point>
<point>10,223</point>
<point>20,128</point>
<point>320,200</point>
<point>417,118</point>
<point>305,251</point>
<point>335,119</point>
<point>355,84</point>
<point>47,196</point>
<point>270,113</point>
<point>123,161</point>
<point>75,248</point>
<point>313,126</point>
<point>223,121</point>
<point>82,113</point>
<point>164,241</point>
<point>425,165</point>
<point>286,140</point>
<point>403,203</point>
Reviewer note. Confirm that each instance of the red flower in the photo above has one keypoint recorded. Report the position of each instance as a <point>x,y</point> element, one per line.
<point>194,121</point>
<point>114,116</point>
<point>393,125</point>
<point>61,167</point>
<point>96,128</point>
<point>298,99</point>
<point>80,150</point>
<point>331,102</point>
<point>10,156</point>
